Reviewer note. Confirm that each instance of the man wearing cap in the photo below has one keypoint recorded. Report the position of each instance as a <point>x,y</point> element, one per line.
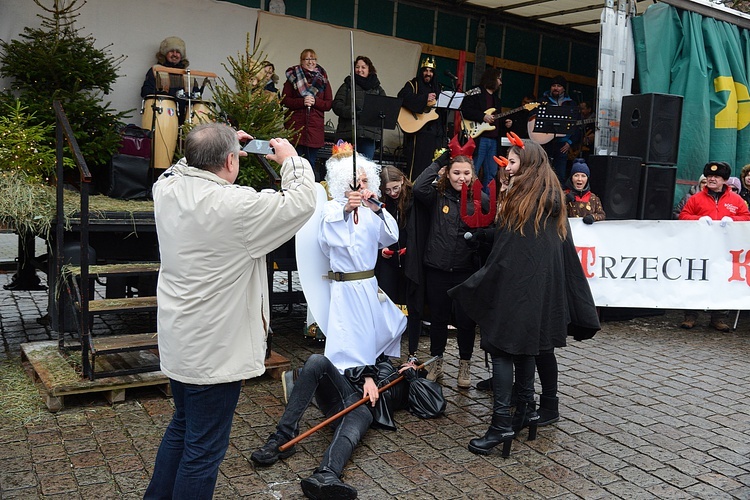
<point>716,202</point>
<point>557,149</point>
<point>419,95</point>
<point>172,55</point>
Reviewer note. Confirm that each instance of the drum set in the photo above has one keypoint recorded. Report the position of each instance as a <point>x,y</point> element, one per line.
<point>161,113</point>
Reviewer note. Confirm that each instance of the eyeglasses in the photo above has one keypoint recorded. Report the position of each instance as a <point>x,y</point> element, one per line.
<point>393,190</point>
<point>310,59</point>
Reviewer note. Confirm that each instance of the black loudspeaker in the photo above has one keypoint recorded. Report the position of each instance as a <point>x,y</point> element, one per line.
<point>650,127</point>
<point>616,180</point>
<point>657,192</point>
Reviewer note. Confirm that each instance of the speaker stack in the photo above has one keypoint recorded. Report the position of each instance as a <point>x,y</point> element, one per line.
<point>639,183</point>
<point>616,180</point>
<point>650,127</point>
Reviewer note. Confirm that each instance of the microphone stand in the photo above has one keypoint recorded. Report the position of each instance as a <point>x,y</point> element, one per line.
<point>152,168</point>
<point>448,108</point>
<point>381,115</point>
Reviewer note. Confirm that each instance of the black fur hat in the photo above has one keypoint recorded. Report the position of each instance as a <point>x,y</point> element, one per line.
<point>720,168</point>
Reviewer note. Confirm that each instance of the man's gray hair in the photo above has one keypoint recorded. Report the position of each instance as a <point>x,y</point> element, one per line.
<point>208,145</point>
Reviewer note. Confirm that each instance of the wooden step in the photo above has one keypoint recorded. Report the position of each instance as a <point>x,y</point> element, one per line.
<point>122,343</point>
<point>125,269</point>
<point>107,354</point>
<point>133,304</point>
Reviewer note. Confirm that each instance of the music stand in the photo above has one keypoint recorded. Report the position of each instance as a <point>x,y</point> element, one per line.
<point>555,119</point>
<point>380,111</point>
<point>449,100</point>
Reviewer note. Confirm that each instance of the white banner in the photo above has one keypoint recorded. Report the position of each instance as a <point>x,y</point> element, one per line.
<point>666,264</point>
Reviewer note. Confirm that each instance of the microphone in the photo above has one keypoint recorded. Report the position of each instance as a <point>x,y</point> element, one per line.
<point>450,75</point>
<point>375,201</point>
<point>468,236</point>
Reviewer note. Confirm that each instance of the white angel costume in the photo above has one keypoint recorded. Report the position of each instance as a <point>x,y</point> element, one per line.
<point>362,324</point>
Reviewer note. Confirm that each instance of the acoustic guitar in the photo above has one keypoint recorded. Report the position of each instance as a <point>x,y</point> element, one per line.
<point>545,137</point>
<point>411,122</point>
<point>475,129</point>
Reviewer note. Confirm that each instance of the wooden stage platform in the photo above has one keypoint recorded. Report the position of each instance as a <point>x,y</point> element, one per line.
<point>58,376</point>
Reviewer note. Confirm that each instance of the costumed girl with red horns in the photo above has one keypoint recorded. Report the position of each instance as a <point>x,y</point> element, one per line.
<point>447,256</point>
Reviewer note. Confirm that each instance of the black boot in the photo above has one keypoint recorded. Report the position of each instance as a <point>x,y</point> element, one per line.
<point>548,412</point>
<point>526,416</point>
<point>499,432</point>
<point>325,484</point>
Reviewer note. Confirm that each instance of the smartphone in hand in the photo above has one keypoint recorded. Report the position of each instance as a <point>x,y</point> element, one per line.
<point>258,147</point>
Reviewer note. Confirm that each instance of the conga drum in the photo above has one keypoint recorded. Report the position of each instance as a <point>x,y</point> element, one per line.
<point>200,112</point>
<point>165,123</point>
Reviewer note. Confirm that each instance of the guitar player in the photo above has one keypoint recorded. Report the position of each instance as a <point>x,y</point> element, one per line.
<point>477,106</point>
<point>557,149</point>
<point>419,96</point>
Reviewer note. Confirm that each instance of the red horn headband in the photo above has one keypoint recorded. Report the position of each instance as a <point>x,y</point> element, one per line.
<point>514,139</point>
<point>458,150</point>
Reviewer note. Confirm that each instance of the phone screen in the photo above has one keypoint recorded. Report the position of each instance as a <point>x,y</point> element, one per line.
<point>258,147</point>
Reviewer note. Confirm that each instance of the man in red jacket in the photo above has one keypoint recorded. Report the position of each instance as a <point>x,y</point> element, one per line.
<point>715,202</point>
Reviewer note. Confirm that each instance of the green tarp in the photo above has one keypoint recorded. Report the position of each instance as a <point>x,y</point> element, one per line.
<point>707,62</point>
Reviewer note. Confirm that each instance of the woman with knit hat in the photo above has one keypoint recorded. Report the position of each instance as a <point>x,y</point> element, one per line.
<point>580,201</point>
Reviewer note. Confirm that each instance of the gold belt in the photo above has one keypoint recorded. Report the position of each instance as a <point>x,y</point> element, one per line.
<point>360,275</point>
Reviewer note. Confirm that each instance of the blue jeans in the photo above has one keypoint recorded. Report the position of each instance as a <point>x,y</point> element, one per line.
<point>557,159</point>
<point>311,154</point>
<point>483,159</point>
<point>366,147</point>
<point>333,392</point>
<point>195,441</point>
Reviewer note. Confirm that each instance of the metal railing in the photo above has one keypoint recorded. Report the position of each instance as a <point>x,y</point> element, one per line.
<point>64,132</point>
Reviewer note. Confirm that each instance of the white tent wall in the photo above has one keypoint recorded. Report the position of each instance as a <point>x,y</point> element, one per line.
<point>212,32</point>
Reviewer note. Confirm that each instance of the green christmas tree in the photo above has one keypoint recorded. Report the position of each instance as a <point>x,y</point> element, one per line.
<point>54,62</point>
<point>247,106</point>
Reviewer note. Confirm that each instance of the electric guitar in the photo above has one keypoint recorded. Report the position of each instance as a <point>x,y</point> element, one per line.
<point>545,137</point>
<point>475,129</point>
<point>411,122</point>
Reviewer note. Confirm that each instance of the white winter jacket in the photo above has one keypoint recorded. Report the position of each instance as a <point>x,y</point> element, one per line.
<point>213,308</point>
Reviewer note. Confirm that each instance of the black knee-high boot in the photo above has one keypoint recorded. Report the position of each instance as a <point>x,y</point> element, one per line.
<point>525,414</point>
<point>546,366</point>
<point>500,431</point>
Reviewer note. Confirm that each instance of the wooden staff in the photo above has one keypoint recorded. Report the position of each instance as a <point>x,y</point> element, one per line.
<point>346,410</point>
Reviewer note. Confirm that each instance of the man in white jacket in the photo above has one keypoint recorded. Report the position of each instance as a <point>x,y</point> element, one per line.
<point>213,305</point>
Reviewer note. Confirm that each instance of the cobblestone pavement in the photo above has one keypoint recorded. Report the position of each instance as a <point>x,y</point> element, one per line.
<point>648,411</point>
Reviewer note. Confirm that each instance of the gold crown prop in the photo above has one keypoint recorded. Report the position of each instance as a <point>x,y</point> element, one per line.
<point>428,62</point>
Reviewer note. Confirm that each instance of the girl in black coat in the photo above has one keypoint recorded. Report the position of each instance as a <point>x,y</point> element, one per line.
<point>530,293</point>
<point>448,258</point>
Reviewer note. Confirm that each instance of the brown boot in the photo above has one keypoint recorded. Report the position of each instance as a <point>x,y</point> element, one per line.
<point>720,325</point>
<point>435,370</point>
<point>689,322</point>
<point>464,374</point>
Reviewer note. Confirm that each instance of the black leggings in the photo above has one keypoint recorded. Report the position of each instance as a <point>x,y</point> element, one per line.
<point>437,284</point>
